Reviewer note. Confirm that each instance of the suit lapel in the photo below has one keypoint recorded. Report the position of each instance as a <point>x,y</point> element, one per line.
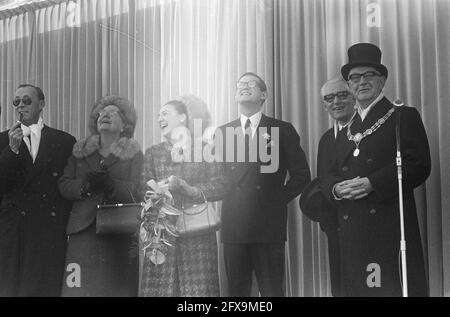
<point>242,169</point>
<point>42,156</point>
<point>377,112</point>
<point>239,169</point>
<point>345,146</point>
<point>25,156</point>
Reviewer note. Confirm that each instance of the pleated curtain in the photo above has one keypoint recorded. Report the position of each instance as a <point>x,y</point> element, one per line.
<point>152,51</point>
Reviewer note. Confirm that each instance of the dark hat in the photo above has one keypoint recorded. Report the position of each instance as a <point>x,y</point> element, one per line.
<point>364,54</point>
<point>314,205</point>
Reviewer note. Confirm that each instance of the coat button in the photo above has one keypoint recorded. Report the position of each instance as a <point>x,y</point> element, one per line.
<point>373,211</point>
<point>238,188</point>
<point>44,195</point>
<point>23,213</point>
<point>232,168</point>
<point>258,187</point>
<point>345,217</point>
<point>369,161</point>
<point>53,214</point>
<point>55,174</point>
<point>345,168</point>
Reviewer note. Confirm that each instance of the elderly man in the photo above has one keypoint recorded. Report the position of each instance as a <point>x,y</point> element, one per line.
<point>33,214</point>
<point>254,214</point>
<point>363,184</point>
<point>339,103</point>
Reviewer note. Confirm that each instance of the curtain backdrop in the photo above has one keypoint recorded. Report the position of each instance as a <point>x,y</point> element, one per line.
<point>152,51</point>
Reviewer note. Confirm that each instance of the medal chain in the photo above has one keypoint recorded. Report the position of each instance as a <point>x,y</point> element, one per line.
<point>358,137</point>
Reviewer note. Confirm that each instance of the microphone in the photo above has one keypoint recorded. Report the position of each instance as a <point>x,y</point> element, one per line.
<point>398,103</point>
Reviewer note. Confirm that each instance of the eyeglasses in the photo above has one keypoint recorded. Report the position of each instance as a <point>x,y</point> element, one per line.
<point>355,78</point>
<point>243,84</point>
<point>341,95</point>
<point>26,101</point>
<point>110,112</point>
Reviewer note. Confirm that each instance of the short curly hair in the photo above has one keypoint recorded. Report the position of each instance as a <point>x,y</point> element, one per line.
<point>126,112</point>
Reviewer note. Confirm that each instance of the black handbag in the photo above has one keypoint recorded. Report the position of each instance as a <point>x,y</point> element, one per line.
<point>118,218</point>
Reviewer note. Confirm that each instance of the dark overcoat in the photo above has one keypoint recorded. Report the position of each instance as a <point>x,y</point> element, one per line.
<point>369,228</point>
<point>255,209</point>
<point>318,209</point>
<point>33,216</point>
<point>103,260</point>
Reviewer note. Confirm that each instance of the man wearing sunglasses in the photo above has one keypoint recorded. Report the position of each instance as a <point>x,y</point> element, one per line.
<point>254,214</point>
<point>339,103</point>
<point>33,214</point>
<point>363,184</point>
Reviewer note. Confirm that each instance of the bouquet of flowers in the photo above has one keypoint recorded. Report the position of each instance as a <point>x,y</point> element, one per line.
<point>157,231</point>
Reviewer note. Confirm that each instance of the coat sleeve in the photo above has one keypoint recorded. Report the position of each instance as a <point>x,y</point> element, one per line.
<point>129,190</point>
<point>148,170</point>
<point>297,165</point>
<point>416,161</point>
<point>215,186</point>
<point>69,185</point>
<point>326,213</point>
<point>8,162</point>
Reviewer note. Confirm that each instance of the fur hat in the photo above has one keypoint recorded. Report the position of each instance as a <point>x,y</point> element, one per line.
<point>126,111</point>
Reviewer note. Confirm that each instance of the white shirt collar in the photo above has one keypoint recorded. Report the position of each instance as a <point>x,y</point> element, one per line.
<point>34,131</point>
<point>363,113</point>
<point>338,127</point>
<point>254,121</point>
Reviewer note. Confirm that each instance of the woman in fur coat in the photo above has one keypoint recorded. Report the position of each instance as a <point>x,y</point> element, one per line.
<point>104,168</point>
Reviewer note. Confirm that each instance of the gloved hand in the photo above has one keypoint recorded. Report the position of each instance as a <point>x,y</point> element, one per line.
<point>100,182</point>
<point>178,185</point>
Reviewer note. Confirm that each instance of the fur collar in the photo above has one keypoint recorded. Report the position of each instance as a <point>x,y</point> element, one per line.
<point>124,148</point>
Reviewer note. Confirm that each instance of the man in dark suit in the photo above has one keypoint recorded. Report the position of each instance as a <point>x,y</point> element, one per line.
<point>363,184</point>
<point>339,103</point>
<point>254,213</point>
<point>33,214</point>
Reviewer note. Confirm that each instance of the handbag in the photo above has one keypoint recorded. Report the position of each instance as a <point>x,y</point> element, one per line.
<point>118,218</point>
<point>198,219</point>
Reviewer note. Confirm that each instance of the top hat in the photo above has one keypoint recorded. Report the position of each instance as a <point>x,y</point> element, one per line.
<point>364,54</point>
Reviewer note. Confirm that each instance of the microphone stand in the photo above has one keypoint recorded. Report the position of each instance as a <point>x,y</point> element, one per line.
<point>400,200</point>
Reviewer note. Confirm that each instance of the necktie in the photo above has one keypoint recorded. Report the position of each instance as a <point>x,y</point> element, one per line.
<point>31,146</point>
<point>248,131</point>
<point>31,132</point>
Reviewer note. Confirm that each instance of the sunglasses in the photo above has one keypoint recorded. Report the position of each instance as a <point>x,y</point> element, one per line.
<point>341,95</point>
<point>26,101</point>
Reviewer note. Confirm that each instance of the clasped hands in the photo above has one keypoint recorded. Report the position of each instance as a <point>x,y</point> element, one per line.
<point>353,189</point>
<point>99,182</point>
<point>175,185</point>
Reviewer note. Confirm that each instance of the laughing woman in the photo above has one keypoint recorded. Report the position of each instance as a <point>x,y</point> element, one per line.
<point>105,168</point>
<point>191,263</point>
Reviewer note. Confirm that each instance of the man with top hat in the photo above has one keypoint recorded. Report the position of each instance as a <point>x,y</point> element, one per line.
<point>338,102</point>
<point>363,186</point>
